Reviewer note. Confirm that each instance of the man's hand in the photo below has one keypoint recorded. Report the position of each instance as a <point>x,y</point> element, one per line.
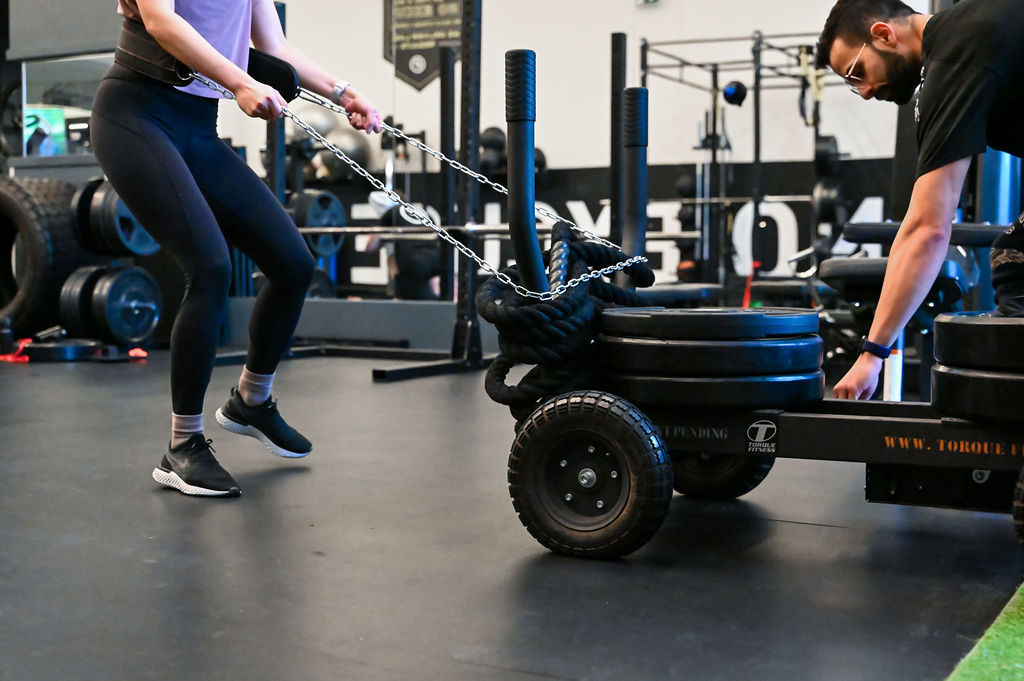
<point>860,381</point>
<point>363,114</point>
<point>260,101</point>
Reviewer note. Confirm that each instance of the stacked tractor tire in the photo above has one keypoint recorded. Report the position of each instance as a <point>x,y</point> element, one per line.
<point>66,265</point>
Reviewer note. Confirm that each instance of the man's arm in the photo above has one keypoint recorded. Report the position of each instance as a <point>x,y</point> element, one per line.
<point>915,258</point>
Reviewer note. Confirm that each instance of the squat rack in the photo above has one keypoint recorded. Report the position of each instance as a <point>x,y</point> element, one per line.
<point>791,68</point>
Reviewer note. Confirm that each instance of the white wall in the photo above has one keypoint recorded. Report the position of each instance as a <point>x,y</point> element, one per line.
<point>572,39</point>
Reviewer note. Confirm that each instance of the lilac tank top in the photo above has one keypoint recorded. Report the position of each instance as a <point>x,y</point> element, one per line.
<point>225,24</point>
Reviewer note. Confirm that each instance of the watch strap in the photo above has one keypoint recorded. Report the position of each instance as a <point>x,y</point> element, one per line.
<point>880,351</point>
<point>338,90</point>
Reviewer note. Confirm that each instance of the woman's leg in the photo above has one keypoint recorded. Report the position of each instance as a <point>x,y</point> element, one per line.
<point>136,130</point>
<point>255,222</point>
<point>140,157</point>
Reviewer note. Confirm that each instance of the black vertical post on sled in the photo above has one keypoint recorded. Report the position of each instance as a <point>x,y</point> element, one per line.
<point>634,144</point>
<point>448,184</point>
<point>616,198</point>
<point>520,115</point>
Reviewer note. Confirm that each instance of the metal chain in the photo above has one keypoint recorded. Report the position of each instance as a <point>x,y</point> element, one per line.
<point>423,217</point>
<point>437,155</point>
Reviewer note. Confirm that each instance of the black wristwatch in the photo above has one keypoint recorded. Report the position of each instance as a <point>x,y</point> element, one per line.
<point>879,351</point>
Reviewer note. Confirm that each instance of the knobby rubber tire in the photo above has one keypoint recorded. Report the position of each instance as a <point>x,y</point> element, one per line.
<point>718,477</point>
<point>618,433</point>
<point>37,213</point>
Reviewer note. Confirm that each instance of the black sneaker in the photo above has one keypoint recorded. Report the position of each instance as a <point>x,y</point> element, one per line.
<point>191,469</point>
<point>264,423</point>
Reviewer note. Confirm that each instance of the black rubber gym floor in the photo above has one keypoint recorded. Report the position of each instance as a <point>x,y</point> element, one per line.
<point>393,552</point>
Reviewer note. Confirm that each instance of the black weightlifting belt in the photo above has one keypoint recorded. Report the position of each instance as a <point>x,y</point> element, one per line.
<point>139,51</point>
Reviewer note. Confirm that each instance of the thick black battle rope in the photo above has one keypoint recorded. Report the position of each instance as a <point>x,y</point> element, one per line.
<point>556,335</point>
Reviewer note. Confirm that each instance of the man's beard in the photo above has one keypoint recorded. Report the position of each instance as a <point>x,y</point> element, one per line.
<point>901,77</point>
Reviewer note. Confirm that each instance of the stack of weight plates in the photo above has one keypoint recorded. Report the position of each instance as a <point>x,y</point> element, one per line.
<point>711,357</point>
<point>979,370</point>
<point>120,305</point>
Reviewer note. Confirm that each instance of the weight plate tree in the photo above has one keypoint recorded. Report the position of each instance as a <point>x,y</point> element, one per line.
<point>589,475</point>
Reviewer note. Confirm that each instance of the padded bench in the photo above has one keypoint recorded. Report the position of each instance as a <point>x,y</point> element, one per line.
<point>791,292</point>
<point>859,282</point>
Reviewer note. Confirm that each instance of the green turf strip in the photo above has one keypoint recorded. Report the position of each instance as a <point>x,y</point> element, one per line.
<point>999,654</point>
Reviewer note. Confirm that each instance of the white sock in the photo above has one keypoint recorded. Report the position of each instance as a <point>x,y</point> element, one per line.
<point>184,427</point>
<point>254,388</point>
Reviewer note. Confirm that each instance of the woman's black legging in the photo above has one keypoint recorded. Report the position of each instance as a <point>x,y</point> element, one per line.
<point>159,149</point>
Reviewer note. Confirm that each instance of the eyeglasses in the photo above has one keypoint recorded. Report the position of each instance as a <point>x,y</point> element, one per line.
<point>853,82</point>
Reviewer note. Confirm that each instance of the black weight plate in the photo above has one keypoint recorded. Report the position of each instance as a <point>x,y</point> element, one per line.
<point>126,306</point>
<point>312,208</point>
<point>322,286</point>
<point>977,340</point>
<point>760,357</point>
<point>113,227</point>
<point>81,201</point>
<point>826,156</point>
<point>68,350</point>
<point>723,323</point>
<point>76,301</point>
<point>733,391</point>
<point>978,395</point>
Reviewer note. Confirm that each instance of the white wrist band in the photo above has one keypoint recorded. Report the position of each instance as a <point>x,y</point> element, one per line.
<point>339,89</point>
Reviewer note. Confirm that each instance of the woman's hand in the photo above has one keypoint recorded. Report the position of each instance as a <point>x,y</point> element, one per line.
<point>260,101</point>
<point>363,114</point>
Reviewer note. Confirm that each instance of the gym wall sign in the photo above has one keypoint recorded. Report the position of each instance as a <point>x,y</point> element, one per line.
<point>414,32</point>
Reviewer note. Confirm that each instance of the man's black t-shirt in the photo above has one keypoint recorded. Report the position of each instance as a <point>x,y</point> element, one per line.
<point>972,94</point>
